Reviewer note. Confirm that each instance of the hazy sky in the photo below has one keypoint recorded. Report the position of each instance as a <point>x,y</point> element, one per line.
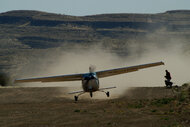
<point>89,7</point>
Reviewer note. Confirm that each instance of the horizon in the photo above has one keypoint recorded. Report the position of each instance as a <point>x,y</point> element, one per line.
<point>87,7</point>
<point>94,14</point>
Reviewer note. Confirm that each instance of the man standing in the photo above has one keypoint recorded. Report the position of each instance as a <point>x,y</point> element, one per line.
<point>168,78</point>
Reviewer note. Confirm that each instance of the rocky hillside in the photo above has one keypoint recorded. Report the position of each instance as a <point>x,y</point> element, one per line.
<point>33,29</point>
<point>25,35</point>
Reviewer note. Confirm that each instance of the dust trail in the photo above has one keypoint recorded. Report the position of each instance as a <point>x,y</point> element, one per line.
<point>79,59</point>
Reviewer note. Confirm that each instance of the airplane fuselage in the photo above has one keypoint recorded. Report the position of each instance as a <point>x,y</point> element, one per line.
<point>90,82</point>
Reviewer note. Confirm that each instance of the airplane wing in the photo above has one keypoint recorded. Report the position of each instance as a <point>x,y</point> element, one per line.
<point>106,73</point>
<point>60,78</point>
<point>98,90</point>
<point>107,88</point>
<point>76,92</point>
<point>100,74</point>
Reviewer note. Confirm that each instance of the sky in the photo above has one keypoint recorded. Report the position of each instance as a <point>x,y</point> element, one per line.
<point>91,7</point>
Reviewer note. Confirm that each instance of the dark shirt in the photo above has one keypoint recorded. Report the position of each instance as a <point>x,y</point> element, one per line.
<point>168,76</point>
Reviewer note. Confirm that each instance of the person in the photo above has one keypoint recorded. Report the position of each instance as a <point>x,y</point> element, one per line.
<point>168,78</point>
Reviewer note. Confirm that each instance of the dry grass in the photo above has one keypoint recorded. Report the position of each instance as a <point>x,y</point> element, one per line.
<point>43,107</point>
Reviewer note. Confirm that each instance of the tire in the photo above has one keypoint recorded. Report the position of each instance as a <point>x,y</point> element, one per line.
<point>108,94</point>
<point>76,98</point>
<point>91,94</point>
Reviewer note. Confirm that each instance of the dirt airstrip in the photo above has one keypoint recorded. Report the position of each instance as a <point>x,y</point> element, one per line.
<point>51,107</point>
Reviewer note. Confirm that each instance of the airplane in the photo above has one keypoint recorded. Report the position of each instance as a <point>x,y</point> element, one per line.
<point>90,81</point>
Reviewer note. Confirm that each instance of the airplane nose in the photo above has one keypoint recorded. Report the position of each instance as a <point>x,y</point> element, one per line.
<point>89,87</point>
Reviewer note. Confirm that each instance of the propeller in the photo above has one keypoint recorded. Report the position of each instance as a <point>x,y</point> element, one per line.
<point>92,68</point>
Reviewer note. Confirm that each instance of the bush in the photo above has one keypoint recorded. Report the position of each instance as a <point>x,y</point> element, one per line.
<point>4,79</point>
<point>160,102</point>
<point>76,110</point>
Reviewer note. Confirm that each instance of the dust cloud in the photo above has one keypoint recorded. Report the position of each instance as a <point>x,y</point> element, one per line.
<point>159,47</point>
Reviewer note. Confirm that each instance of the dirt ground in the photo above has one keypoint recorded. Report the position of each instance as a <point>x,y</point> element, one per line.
<point>139,107</point>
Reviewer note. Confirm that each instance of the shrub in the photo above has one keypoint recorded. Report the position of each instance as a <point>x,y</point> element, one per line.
<point>4,79</point>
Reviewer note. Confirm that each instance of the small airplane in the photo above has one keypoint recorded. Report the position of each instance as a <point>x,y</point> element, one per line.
<point>90,81</point>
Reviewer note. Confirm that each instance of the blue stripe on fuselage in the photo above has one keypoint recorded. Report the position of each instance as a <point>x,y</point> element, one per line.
<point>90,75</point>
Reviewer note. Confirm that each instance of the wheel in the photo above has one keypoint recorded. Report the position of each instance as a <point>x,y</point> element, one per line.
<point>108,94</point>
<point>76,98</point>
<point>90,94</point>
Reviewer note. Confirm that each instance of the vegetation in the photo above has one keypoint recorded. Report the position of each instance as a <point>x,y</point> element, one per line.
<point>37,107</point>
<point>4,79</point>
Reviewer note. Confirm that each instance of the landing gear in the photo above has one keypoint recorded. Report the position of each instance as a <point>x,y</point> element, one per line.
<point>76,98</point>
<point>91,94</point>
<point>108,94</point>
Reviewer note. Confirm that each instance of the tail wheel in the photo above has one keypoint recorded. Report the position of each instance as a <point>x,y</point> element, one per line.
<point>108,94</point>
<point>76,98</point>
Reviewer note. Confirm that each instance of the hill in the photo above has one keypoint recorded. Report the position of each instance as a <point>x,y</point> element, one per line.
<point>27,36</point>
<point>33,29</point>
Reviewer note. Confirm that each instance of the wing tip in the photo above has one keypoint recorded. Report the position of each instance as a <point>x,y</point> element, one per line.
<point>162,63</point>
<point>16,81</point>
